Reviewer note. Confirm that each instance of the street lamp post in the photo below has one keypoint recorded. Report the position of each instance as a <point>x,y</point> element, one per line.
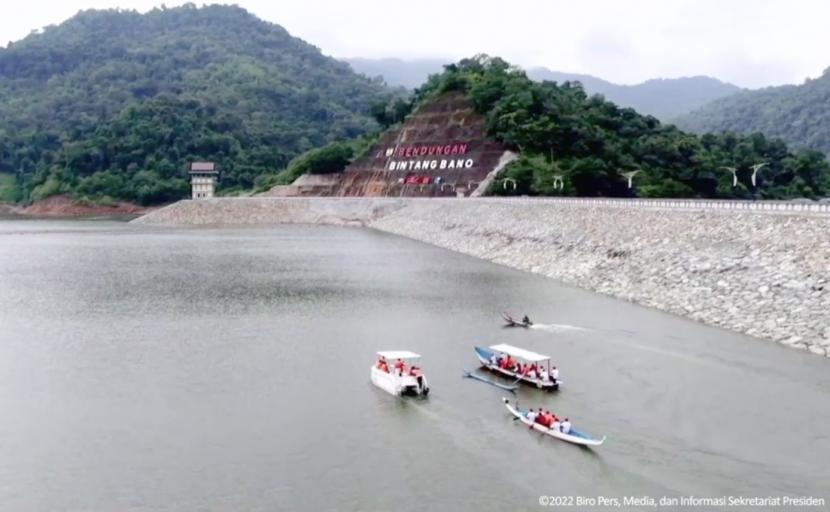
<point>755,168</point>
<point>630,176</point>
<point>734,172</point>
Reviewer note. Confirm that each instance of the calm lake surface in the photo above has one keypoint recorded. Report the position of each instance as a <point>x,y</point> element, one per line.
<point>198,369</point>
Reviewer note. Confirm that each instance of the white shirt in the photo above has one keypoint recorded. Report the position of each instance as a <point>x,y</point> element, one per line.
<point>532,416</point>
<point>566,427</point>
<point>555,425</point>
<point>555,373</point>
<point>543,374</point>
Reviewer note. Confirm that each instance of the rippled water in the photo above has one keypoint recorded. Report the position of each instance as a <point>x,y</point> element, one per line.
<point>170,369</point>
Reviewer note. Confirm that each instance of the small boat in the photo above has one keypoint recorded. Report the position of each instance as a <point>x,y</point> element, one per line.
<point>573,436</point>
<point>513,322</point>
<point>485,355</point>
<point>399,376</point>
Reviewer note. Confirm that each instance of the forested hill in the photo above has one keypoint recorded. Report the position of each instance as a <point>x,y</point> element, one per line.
<point>115,103</point>
<point>663,98</point>
<point>799,114</point>
<point>591,144</point>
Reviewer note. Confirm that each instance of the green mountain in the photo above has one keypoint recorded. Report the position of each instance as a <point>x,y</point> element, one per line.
<point>589,144</point>
<point>115,103</point>
<point>799,114</point>
<point>664,99</point>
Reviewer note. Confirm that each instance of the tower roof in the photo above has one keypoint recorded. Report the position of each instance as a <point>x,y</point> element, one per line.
<point>203,167</point>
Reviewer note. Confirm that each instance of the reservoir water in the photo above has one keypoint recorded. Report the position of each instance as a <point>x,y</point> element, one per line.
<point>200,369</point>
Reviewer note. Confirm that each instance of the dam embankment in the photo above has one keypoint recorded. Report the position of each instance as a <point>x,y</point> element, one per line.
<point>758,268</point>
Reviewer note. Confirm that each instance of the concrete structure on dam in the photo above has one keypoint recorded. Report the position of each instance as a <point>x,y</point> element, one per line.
<point>760,268</point>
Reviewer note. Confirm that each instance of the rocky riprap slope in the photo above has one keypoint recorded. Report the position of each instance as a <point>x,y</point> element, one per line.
<point>762,274</point>
<point>269,211</point>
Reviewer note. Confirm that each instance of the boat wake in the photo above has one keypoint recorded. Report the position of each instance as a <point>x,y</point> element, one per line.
<point>558,327</point>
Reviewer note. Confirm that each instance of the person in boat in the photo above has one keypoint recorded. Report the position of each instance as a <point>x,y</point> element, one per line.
<point>554,424</point>
<point>534,417</point>
<point>383,366</point>
<point>544,418</point>
<point>566,426</point>
<point>543,374</point>
<point>494,361</point>
<point>554,374</point>
<point>526,320</point>
<point>400,366</point>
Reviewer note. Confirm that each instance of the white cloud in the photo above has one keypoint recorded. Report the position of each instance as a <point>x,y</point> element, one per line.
<point>749,42</point>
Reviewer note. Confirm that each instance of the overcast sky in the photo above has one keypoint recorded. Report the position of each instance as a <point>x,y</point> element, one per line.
<point>751,43</point>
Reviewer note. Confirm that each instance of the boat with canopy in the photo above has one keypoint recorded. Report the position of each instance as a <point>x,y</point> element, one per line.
<point>397,373</point>
<point>493,358</point>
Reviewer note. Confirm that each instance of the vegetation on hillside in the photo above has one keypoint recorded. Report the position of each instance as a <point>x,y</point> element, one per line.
<point>798,114</point>
<point>329,159</point>
<point>9,191</point>
<point>590,142</point>
<point>116,103</point>
<point>664,99</point>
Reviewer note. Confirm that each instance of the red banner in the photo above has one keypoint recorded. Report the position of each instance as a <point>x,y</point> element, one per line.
<point>415,179</point>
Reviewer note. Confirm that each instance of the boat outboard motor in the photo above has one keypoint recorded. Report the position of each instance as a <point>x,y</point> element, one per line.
<point>423,387</point>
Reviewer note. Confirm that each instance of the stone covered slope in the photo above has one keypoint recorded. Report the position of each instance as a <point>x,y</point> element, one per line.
<point>441,149</point>
<point>269,211</point>
<point>761,274</point>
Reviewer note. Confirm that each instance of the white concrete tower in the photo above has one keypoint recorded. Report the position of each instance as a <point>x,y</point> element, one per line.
<point>203,178</point>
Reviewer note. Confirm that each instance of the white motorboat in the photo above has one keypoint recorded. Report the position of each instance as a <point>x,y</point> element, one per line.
<point>397,373</point>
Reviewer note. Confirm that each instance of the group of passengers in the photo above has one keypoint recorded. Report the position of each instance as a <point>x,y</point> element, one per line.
<point>400,367</point>
<point>549,420</point>
<point>531,371</point>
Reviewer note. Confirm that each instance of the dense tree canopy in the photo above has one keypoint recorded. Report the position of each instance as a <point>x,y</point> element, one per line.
<point>116,103</point>
<point>329,159</point>
<point>798,114</point>
<point>590,142</point>
<point>664,98</point>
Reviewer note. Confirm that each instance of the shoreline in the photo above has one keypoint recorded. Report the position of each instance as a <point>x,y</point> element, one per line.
<point>62,207</point>
<point>764,273</point>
